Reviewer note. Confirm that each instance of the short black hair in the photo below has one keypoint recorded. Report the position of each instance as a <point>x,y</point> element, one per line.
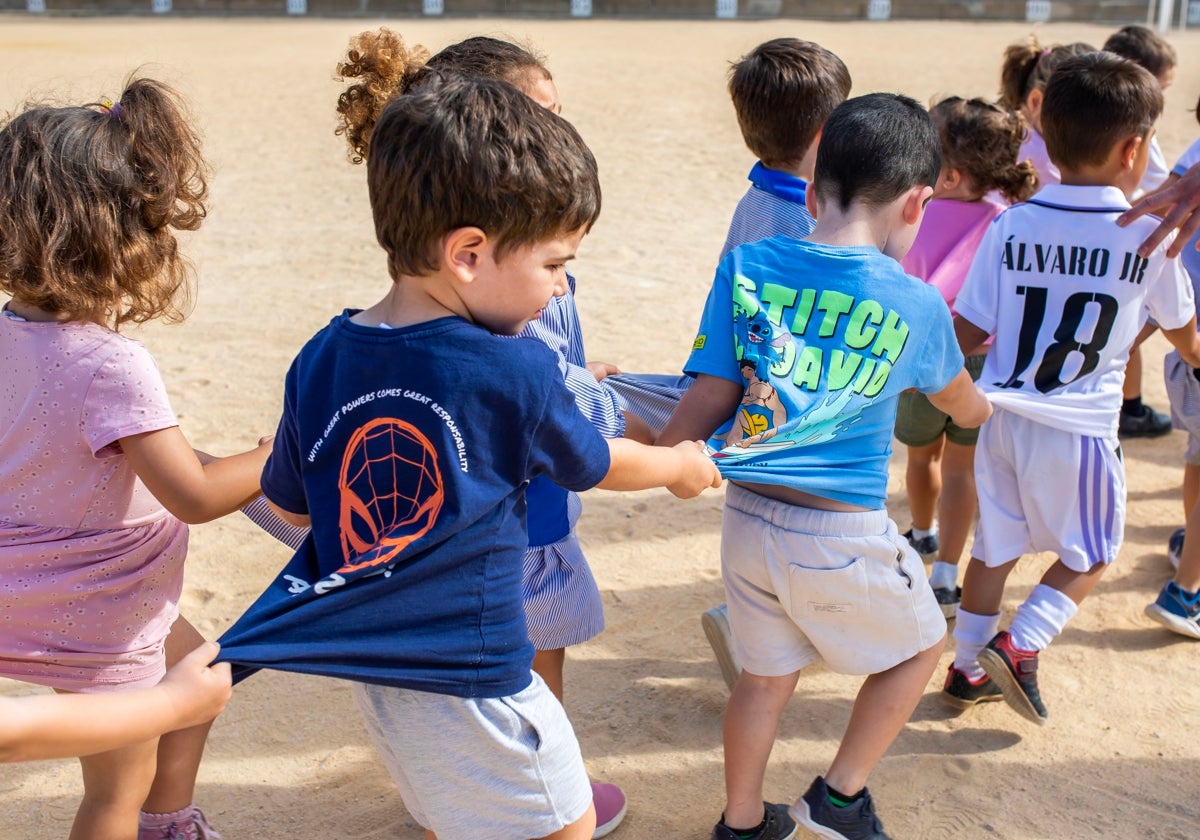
<point>875,148</point>
<point>1093,102</point>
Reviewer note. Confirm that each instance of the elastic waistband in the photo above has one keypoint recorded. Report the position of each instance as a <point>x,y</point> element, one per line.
<point>817,523</point>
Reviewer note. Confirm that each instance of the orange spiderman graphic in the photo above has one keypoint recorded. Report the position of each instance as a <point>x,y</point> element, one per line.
<point>391,492</point>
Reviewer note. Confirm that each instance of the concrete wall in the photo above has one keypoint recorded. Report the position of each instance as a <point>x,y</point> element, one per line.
<point>1107,11</point>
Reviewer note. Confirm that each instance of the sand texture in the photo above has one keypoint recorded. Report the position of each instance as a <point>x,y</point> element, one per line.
<point>289,243</point>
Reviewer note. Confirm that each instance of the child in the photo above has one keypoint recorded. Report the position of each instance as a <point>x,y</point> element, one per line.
<point>979,144</point>
<point>65,725</point>
<point>1178,604</point>
<point>95,472</point>
<point>1063,291</point>
<point>783,91</point>
<point>1023,76</point>
<point>1145,47</point>
<point>409,432</point>
<point>562,601</point>
<point>813,567</point>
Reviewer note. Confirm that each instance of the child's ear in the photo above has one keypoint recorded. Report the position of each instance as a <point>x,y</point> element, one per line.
<point>810,201</point>
<point>1033,103</point>
<point>1129,150</point>
<point>914,204</point>
<point>462,251</point>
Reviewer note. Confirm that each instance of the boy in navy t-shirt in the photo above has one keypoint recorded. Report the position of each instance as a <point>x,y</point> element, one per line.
<point>410,430</point>
<point>803,350</point>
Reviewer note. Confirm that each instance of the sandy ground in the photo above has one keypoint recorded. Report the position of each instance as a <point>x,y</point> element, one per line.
<point>289,243</point>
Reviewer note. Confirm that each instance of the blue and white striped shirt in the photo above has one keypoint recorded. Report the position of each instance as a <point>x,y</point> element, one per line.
<point>773,206</point>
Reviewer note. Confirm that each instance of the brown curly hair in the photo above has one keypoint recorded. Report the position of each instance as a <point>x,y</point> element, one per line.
<point>982,141</point>
<point>385,67</point>
<point>89,197</point>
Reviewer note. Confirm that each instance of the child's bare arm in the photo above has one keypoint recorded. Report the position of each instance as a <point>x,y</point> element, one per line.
<point>964,402</point>
<point>638,429</point>
<point>300,520</point>
<point>1186,341</point>
<point>194,491</point>
<point>684,469</point>
<point>66,725</point>
<point>708,403</point>
<point>970,337</point>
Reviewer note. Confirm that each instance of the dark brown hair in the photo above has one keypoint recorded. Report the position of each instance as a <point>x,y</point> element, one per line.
<point>1028,66</point>
<point>1143,46</point>
<point>459,152</point>
<point>384,68</point>
<point>783,91</point>
<point>1093,102</point>
<point>89,198</point>
<point>983,141</point>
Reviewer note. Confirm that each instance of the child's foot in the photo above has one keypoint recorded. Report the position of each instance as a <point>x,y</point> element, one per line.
<point>610,808</point>
<point>1175,547</point>
<point>926,546</point>
<point>961,693</point>
<point>856,821</point>
<point>716,627</point>
<point>948,599</point>
<point>1149,423</point>
<point>776,825</point>
<point>1015,671</point>
<point>186,824</point>
<point>1176,610</point>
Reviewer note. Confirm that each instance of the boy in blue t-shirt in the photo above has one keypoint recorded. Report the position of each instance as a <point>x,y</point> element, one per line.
<point>410,430</point>
<point>824,334</point>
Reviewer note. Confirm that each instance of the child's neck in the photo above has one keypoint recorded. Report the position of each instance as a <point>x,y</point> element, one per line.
<point>410,301</point>
<point>1098,177</point>
<point>802,168</point>
<point>36,314</point>
<point>855,227</point>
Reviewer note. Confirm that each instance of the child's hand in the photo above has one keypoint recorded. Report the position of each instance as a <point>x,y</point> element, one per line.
<point>197,692</point>
<point>602,369</point>
<point>697,472</point>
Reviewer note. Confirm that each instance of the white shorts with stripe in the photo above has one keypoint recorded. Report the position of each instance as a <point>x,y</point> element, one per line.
<point>1045,489</point>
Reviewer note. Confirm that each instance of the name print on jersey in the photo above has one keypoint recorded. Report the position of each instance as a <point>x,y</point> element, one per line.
<point>1069,260</point>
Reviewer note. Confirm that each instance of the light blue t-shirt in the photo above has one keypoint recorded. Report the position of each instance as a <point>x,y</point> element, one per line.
<point>824,339</point>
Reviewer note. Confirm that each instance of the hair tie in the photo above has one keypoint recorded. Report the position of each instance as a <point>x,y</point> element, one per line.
<point>113,109</point>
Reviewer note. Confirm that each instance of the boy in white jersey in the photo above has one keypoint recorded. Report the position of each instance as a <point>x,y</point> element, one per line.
<point>1064,292</point>
<point>803,351</point>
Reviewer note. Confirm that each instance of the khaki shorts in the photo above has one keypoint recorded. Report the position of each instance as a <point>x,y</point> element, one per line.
<point>806,584</point>
<point>919,423</point>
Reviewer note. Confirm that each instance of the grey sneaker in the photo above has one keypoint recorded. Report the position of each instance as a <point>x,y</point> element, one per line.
<point>816,813</point>
<point>716,627</point>
<point>926,546</point>
<point>948,600</point>
<point>777,825</point>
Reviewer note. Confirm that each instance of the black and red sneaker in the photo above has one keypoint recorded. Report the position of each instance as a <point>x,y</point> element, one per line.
<point>961,693</point>
<point>1015,671</point>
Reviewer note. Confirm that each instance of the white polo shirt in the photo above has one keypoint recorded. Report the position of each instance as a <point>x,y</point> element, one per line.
<point>1063,291</point>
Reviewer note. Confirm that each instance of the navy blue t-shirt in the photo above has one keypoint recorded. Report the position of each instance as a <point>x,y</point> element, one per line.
<point>410,450</point>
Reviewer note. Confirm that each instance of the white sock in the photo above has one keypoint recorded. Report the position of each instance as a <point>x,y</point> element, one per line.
<point>1042,617</point>
<point>972,632</point>
<point>944,575</point>
<point>920,533</point>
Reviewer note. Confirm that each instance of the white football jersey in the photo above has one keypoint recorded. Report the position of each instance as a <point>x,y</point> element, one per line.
<point>1063,291</point>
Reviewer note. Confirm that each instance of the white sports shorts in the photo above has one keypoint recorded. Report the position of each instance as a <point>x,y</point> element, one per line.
<point>1045,489</point>
<point>1183,390</point>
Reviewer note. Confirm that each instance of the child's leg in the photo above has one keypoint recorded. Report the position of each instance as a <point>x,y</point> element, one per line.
<point>114,785</point>
<point>923,478</point>
<point>883,706</point>
<point>956,505</point>
<point>179,752</point>
<point>751,720</point>
<point>1191,488</point>
<point>1187,576</point>
<point>978,614</point>
<point>548,664</point>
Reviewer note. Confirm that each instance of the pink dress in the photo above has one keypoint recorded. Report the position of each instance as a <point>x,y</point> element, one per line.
<point>947,241</point>
<point>91,565</point>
